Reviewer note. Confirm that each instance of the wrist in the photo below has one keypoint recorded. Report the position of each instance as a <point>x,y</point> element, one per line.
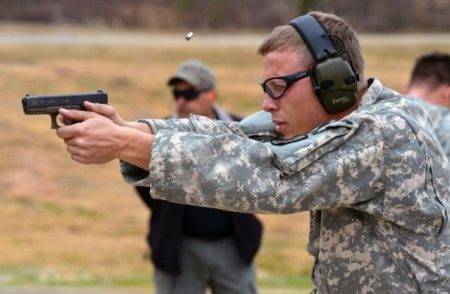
<point>136,147</point>
<point>141,126</point>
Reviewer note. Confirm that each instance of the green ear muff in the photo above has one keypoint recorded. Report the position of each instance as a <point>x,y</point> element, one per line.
<point>335,84</point>
<point>334,79</point>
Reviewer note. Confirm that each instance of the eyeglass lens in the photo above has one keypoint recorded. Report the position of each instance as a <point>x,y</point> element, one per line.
<point>276,87</point>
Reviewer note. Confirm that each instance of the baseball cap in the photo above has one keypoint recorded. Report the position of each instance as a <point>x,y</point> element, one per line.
<point>195,73</point>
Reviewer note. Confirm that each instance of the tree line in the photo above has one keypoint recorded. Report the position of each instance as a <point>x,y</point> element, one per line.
<point>364,15</point>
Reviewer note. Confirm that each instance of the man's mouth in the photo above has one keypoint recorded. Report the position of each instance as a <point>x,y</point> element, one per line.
<point>279,124</point>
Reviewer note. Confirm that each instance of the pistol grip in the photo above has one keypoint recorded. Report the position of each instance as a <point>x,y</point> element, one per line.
<point>53,119</point>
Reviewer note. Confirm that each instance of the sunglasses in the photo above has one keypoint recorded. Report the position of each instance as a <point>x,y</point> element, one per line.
<point>277,86</point>
<point>188,94</point>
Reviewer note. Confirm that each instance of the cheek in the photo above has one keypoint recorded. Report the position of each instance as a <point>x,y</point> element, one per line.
<point>301,106</point>
<point>307,96</point>
<point>295,102</point>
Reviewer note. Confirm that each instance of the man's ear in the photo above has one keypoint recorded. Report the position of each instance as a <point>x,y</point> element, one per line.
<point>212,96</point>
<point>447,95</point>
<point>440,96</point>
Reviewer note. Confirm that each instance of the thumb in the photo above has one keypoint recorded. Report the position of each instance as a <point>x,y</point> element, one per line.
<point>76,115</point>
<point>100,108</point>
<point>105,110</point>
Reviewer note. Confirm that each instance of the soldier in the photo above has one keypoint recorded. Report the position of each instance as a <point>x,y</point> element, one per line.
<point>430,79</point>
<point>194,248</point>
<point>430,85</point>
<point>361,157</point>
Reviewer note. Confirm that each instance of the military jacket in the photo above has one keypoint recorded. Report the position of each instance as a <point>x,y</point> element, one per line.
<point>440,117</point>
<point>376,183</point>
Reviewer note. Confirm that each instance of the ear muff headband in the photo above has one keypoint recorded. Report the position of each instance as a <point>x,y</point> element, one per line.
<point>333,78</point>
<point>315,37</point>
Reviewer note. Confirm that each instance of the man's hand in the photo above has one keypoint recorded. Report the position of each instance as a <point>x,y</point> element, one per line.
<point>96,139</point>
<point>107,111</point>
<point>111,113</point>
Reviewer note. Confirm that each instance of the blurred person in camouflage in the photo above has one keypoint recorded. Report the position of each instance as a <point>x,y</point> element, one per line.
<point>430,85</point>
<point>194,248</point>
<point>363,159</point>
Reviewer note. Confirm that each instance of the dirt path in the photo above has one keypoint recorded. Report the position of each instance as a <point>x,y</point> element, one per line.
<point>114,38</point>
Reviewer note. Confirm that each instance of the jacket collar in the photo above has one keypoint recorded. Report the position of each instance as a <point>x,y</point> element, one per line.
<point>373,92</point>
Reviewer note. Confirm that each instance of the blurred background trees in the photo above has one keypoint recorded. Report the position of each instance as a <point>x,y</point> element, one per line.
<point>364,15</point>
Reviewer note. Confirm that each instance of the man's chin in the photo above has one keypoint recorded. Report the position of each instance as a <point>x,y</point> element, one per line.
<point>281,129</point>
<point>286,135</point>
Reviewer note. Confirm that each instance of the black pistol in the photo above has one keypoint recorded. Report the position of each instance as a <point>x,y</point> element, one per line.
<point>49,104</point>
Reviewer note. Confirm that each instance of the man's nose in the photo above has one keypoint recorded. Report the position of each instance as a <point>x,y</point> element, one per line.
<point>269,104</point>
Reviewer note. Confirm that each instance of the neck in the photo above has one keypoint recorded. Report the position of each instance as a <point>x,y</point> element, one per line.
<point>439,95</point>
<point>210,113</point>
<point>418,92</point>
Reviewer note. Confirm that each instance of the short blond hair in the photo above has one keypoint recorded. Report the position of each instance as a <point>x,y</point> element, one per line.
<point>286,37</point>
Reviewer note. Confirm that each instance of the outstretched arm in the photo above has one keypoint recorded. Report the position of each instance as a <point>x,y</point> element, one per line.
<point>329,168</point>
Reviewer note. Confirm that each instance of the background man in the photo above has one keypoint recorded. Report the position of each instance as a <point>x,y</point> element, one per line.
<point>430,85</point>
<point>193,248</point>
<point>430,79</point>
<point>362,158</point>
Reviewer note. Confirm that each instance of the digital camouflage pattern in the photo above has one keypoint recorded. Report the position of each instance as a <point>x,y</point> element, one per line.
<point>440,117</point>
<point>376,183</point>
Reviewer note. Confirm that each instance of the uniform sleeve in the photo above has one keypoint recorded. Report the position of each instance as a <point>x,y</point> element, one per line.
<point>256,125</point>
<point>443,135</point>
<point>338,165</point>
<point>157,125</point>
<point>197,124</point>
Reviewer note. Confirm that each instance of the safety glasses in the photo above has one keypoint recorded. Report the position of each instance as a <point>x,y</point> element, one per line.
<point>188,94</point>
<point>276,87</point>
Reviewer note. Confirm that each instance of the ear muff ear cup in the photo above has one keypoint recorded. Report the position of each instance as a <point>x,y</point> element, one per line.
<point>335,84</point>
<point>333,78</point>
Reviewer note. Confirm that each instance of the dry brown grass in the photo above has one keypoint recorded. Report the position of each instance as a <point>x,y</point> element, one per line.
<point>75,222</point>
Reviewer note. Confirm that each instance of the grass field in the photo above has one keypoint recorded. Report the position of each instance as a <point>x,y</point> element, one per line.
<point>67,225</point>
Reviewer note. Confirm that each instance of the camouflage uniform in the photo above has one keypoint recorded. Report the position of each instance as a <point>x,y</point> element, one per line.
<point>440,116</point>
<point>376,183</point>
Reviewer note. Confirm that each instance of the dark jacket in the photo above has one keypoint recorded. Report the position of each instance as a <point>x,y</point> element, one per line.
<point>166,232</point>
<point>166,227</point>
